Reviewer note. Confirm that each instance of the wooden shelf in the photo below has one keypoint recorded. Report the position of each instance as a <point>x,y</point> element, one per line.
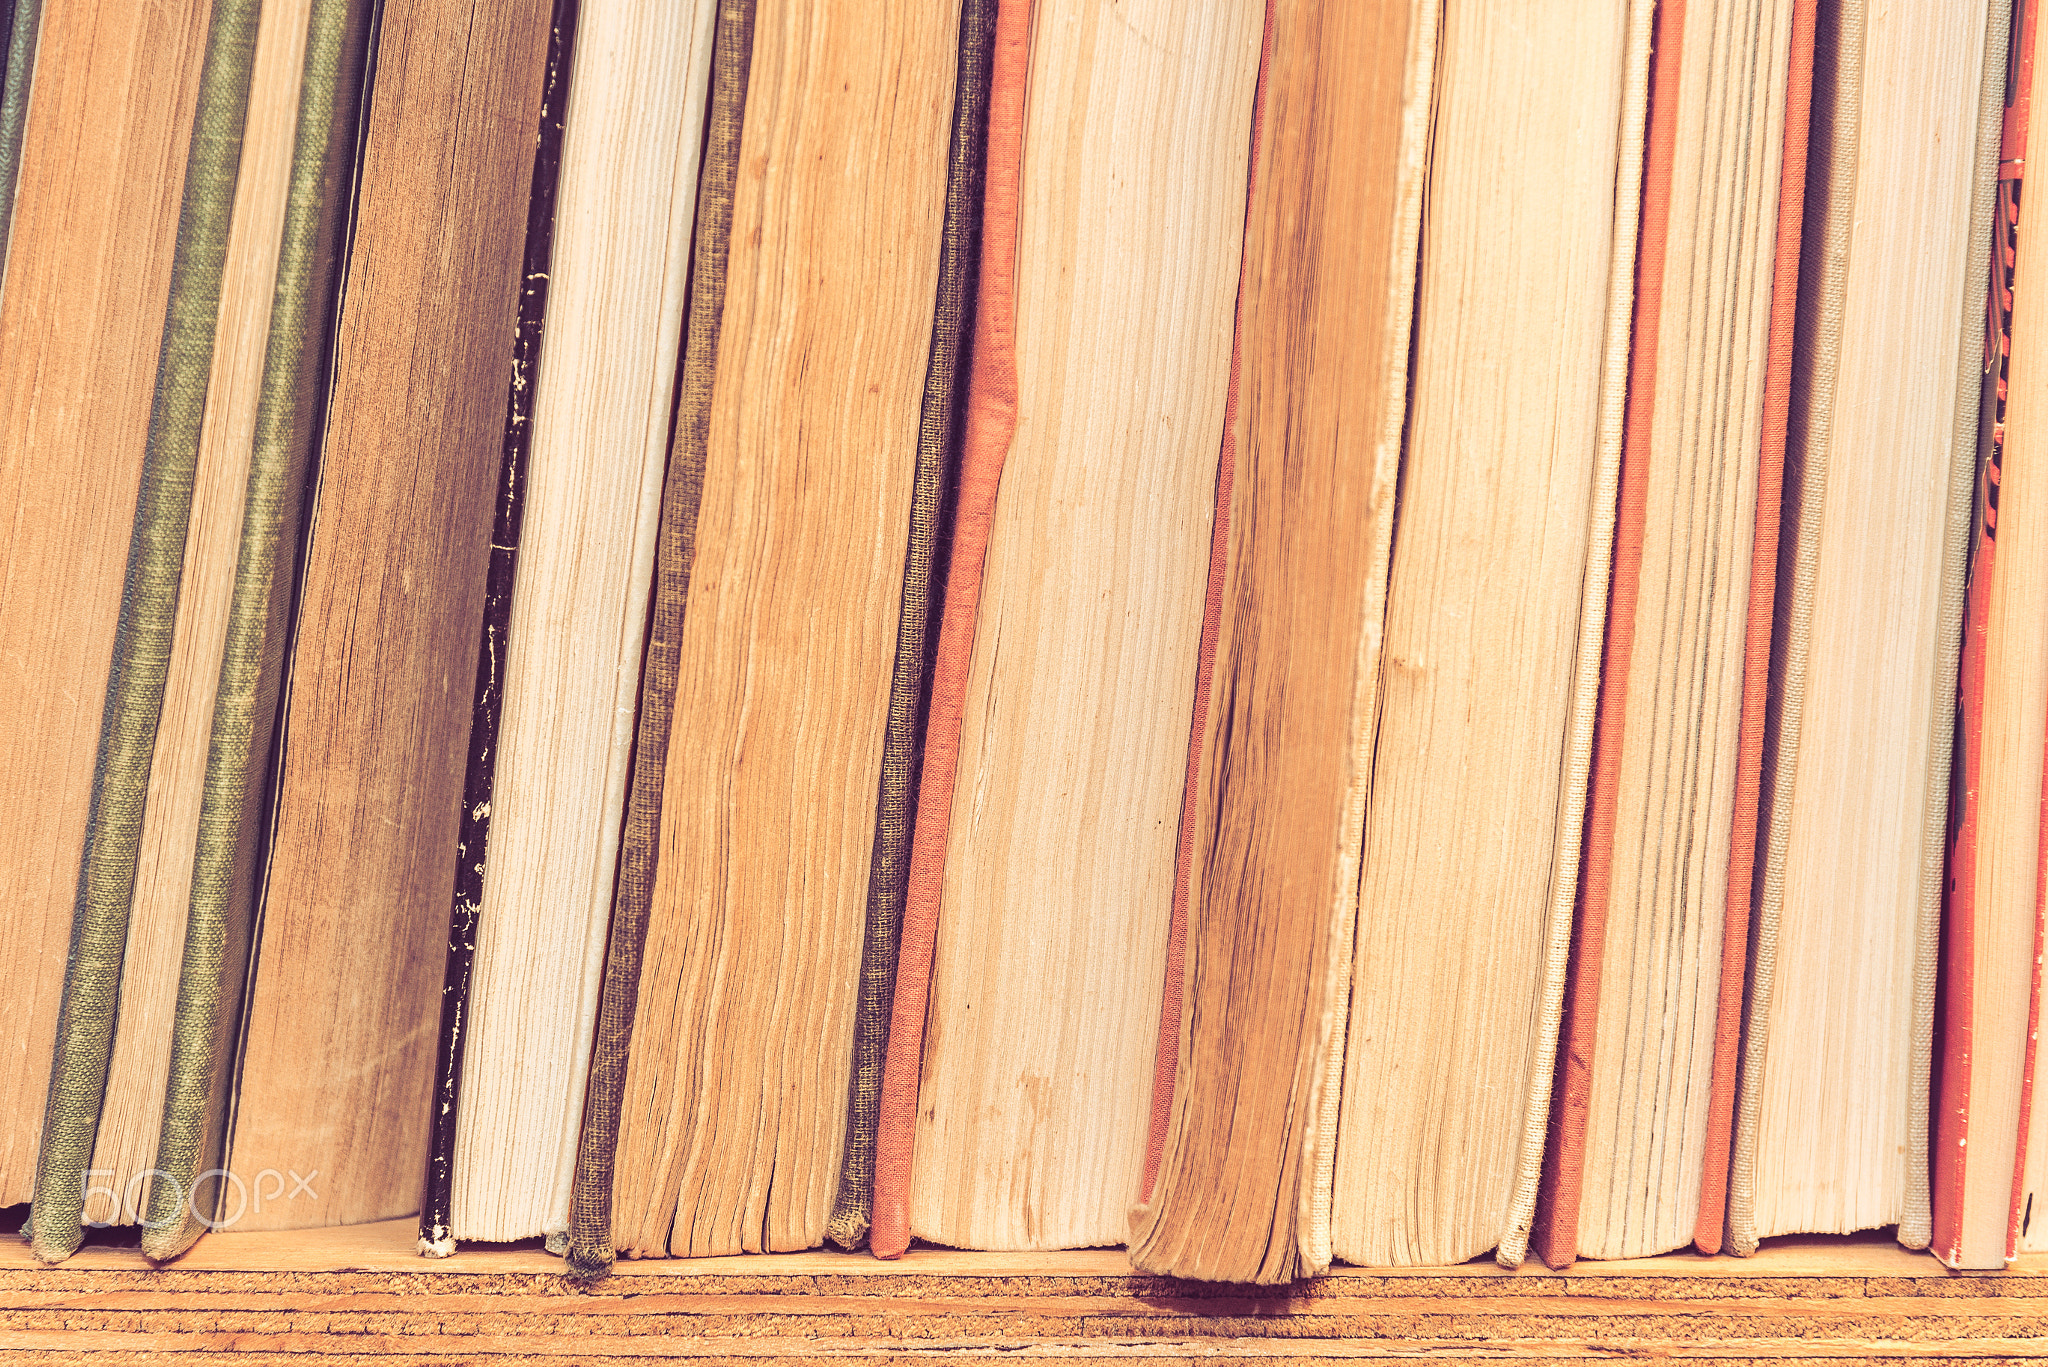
<point>361,1296</point>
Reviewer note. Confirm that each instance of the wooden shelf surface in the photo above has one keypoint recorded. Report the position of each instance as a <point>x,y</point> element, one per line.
<point>362,1296</point>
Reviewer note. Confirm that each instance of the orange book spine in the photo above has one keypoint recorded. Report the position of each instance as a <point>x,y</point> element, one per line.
<point>1756,657</point>
<point>1555,1234</point>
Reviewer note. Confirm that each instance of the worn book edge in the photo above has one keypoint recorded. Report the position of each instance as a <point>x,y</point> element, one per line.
<point>1319,1144</point>
<point>1916,1225</point>
<point>1838,69</point>
<point>1711,1223</point>
<point>590,1244</point>
<point>215,960</point>
<point>437,1237</point>
<point>990,424</point>
<point>937,455</point>
<point>1585,696</point>
<point>1555,1231</point>
<point>149,604</point>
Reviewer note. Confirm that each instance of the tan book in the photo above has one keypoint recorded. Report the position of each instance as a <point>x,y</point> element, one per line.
<point>126,1147</point>
<point>733,1111</point>
<point>81,319</point>
<point>331,1117</point>
<point>1988,1145</point>
<point>1671,814</point>
<point>1495,607</point>
<point>1245,1090</point>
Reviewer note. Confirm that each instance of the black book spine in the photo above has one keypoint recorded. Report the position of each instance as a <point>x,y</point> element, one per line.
<point>437,1239</point>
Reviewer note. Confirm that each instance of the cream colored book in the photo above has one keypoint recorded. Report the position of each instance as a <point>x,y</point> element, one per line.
<point>1495,606</point>
<point>1863,697</point>
<point>571,673</point>
<point>1063,821</point>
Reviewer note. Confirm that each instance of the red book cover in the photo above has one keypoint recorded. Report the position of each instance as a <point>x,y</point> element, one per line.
<point>1959,923</point>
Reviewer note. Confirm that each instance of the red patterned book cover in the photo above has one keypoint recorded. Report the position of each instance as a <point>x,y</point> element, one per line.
<point>1959,932</point>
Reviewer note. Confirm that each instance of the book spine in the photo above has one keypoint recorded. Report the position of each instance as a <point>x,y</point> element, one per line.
<point>991,423</point>
<point>1166,1058</point>
<point>1711,1225</point>
<point>472,842</point>
<point>216,930</point>
<point>1835,110</point>
<point>1319,1155</point>
<point>142,645</point>
<point>1916,1221</point>
<point>1574,791</point>
<point>1556,1230</point>
<point>937,453</point>
<point>1951,1131</point>
<point>20,21</point>
<point>590,1250</point>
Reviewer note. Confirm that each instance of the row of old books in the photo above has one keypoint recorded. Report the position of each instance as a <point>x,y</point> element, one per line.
<point>1269,632</point>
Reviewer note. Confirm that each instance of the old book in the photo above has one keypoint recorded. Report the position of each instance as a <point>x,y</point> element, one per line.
<point>135,685</point>
<point>508,518</point>
<point>1979,384</point>
<point>1838,987</point>
<point>125,1148</point>
<point>1495,608</point>
<point>81,321</point>
<point>192,1140</point>
<point>569,657</point>
<point>939,425</point>
<point>1710,1229</point>
<point>1060,825</point>
<point>733,1111</point>
<point>989,425</point>
<point>1984,1166</point>
<point>1688,635</point>
<point>330,1120</point>
<point>1266,894</point>
<point>591,1250</point>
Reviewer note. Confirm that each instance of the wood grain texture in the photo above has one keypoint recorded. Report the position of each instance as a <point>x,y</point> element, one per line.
<point>1058,880</point>
<point>338,1053</point>
<point>734,1104</point>
<point>361,1296</point>
<point>88,278</point>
